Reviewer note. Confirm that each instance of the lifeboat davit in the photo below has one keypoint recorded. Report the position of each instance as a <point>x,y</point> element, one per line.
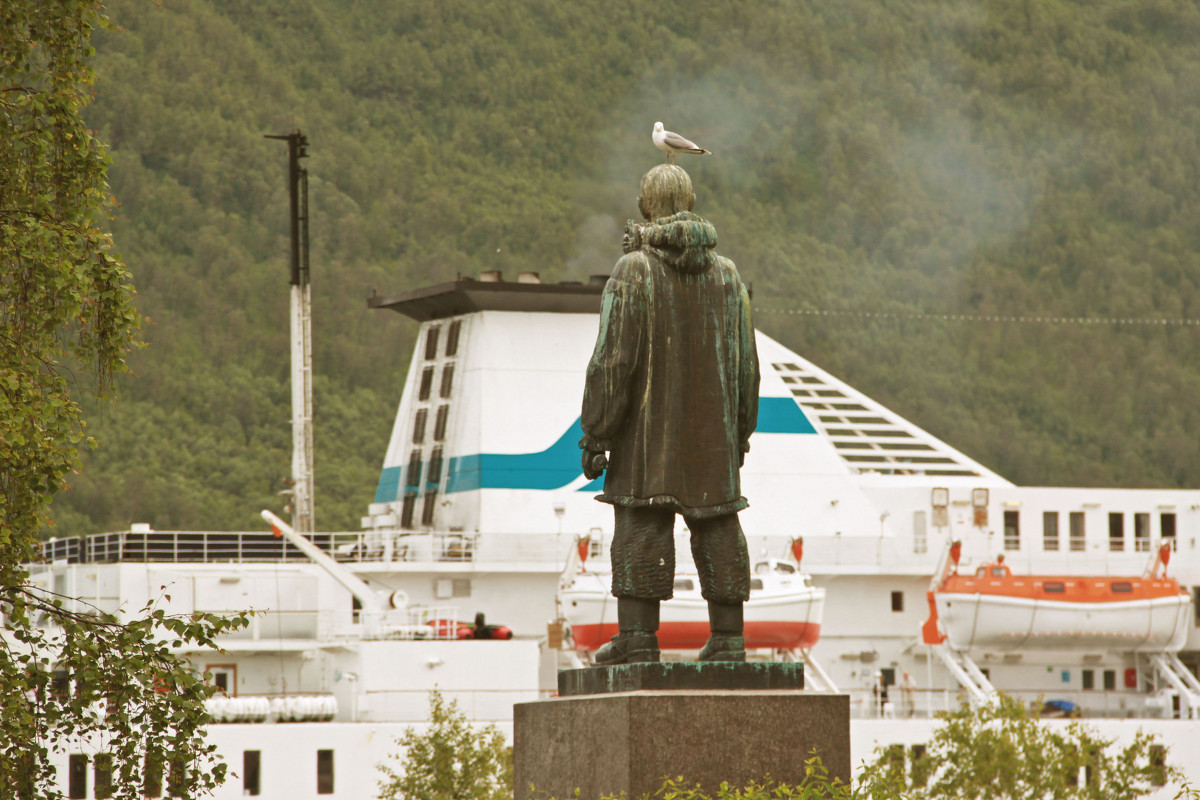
<point>783,612</point>
<point>995,609</point>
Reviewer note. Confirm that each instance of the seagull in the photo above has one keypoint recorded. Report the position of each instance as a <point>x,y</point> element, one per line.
<point>672,143</point>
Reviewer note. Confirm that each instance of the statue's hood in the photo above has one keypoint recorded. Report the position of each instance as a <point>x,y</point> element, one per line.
<point>685,241</point>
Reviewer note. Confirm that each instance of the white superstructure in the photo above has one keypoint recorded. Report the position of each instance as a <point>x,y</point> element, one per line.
<point>481,498</point>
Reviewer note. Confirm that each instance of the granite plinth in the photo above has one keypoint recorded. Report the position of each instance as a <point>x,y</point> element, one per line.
<point>689,676</point>
<point>613,743</point>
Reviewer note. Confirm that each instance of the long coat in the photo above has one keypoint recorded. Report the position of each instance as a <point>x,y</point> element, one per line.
<point>672,386</point>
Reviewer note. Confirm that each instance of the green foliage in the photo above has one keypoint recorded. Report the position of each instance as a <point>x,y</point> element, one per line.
<point>449,761</point>
<point>980,158</point>
<point>1002,752</point>
<point>69,673</point>
<point>817,785</point>
<point>65,299</point>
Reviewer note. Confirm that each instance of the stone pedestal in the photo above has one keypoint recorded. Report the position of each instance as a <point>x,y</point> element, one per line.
<point>629,742</point>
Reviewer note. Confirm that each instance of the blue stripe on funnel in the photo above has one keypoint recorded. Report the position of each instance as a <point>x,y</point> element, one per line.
<point>558,465</point>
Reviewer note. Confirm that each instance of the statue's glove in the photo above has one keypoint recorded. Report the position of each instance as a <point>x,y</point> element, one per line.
<point>594,463</point>
<point>632,240</point>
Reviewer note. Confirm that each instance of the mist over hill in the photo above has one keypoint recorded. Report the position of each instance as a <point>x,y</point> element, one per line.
<point>900,181</point>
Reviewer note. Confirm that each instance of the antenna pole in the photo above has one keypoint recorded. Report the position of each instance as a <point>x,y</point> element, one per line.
<point>301,325</point>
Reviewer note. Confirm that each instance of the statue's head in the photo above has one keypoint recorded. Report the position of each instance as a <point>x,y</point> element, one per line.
<point>666,190</point>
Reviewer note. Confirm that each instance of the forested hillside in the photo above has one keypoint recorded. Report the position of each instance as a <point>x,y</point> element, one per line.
<point>914,170</point>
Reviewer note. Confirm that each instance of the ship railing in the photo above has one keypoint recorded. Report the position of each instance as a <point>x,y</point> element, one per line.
<point>928,703</point>
<point>412,705</point>
<point>177,547</point>
<point>538,550</point>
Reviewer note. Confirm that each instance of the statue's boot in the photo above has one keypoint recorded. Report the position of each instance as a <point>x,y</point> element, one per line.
<point>637,640</point>
<point>726,642</point>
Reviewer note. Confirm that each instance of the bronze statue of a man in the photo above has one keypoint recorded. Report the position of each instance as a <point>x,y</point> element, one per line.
<point>672,398</point>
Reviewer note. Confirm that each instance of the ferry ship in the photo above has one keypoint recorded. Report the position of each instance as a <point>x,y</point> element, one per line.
<point>481,504</point>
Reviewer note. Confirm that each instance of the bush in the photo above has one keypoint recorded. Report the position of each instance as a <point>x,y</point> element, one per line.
<point>450,761</point>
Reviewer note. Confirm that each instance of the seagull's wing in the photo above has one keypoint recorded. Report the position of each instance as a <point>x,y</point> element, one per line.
<point>677,142</point>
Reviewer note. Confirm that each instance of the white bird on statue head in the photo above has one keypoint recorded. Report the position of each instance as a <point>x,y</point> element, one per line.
<point>671,143</point>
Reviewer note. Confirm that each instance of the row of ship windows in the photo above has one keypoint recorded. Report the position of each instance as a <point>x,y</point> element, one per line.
<point>433,334</point>
<point>433,475</point>
<point>152,785</point>
<point>1077,532</point>
<point>426,387</point>
<point>920,769</point>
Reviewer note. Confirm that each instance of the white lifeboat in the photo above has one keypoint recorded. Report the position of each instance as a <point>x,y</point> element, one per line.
<point>993,608</point>
<point>783,613</point>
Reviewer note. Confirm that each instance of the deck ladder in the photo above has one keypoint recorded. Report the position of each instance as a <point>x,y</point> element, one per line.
<point>1182,681</point>
<point>979,689</point>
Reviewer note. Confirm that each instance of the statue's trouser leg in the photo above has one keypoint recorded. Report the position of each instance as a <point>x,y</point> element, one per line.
<point>643,561</point>
<point>719,550</point>
<point>643,553</point>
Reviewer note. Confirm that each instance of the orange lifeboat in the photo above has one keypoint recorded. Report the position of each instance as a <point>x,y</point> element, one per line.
<point>995,609</point>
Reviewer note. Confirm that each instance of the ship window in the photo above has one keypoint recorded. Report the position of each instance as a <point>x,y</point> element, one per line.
<point>1110,680</point>
<point>1122,587</point>
<point>788,379</point>
<point>452,337</point>
<point>1012,530</point>
<point>439,423</point>
<point>419,426</point>
<point>684,585</point>
<point>1167,526</point>
<point>999,572</point>
<point>435,467</point>
<point>1116,531</point>
<point>413,476</point>
<point>801,393</point>
<point>1078,533</point>
<point>224,677</point>
<point>1089,679</point>
<point>447,380</point>
<point>152,778</point>
<point>811,381</point>
<point>429,507</point>
<point>77,776</point>
<point>431,340</point>
<point>920,534</point>
<point>1053,587</point>
<point>1050,530</point>
<point>921,767</point>
<point>1141,533</point>
<point>176,775</point>
<point>324,772</point>
<point>897,601</point>
<point>251,763</point>
<point>981,572</point>
<point>103,776</point>
<point>1196,605</point>
<point>426,384</point>
<point>406,510</point>
<point>1158,765</point>
<point>756,584</point>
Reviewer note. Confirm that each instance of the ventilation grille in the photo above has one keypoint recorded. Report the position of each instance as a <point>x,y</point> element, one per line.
<point>868,437</point>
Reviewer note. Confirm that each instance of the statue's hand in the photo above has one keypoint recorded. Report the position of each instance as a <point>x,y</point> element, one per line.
<point>594,464</point>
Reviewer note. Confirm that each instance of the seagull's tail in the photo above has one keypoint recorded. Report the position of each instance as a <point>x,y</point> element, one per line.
<point>700,151</point>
